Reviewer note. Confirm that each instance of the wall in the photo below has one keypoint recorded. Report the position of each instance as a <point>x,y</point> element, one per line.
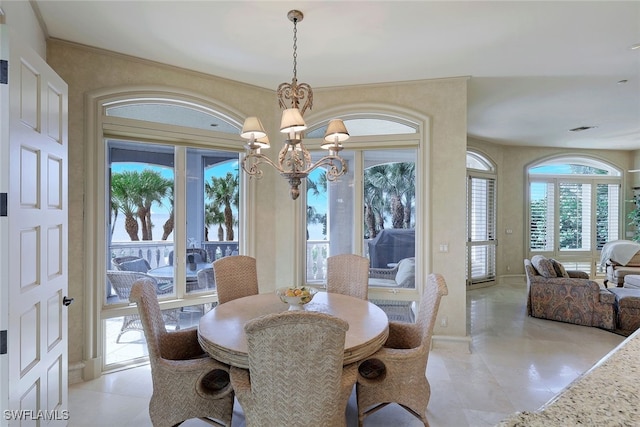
<point>443,102</point>
<point>511,162</point>
<point>22,20</point>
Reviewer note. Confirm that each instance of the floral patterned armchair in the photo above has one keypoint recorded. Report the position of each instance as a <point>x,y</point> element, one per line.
<point>567,296</point>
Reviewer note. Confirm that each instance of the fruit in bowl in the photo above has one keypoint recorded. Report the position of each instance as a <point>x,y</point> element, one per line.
<point>296,296</point>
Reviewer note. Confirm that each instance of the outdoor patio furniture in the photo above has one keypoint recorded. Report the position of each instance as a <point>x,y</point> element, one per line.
<point>121,282</point>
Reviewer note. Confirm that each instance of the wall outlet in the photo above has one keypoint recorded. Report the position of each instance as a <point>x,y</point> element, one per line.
<point>444,322</point>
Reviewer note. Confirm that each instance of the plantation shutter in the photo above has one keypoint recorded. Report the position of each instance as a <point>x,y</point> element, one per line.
<point>541,216</point>
<point>481,229</point>
<point>574,208</point>
<point>607,213</point>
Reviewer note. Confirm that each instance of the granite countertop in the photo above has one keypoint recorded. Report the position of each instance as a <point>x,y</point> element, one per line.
<point>608,394</point>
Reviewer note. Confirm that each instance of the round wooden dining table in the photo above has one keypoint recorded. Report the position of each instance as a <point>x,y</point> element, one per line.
<point>221,330</point>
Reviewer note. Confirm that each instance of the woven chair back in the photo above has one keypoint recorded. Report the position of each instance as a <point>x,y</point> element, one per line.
<point>348,274</point>
<point>290,384</point>
<point>235,277</point>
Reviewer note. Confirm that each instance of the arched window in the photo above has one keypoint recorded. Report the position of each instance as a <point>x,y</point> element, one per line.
<point>371,210</point>
<point>481,219</point>
<point>573,209</point>
<point>156,156</point>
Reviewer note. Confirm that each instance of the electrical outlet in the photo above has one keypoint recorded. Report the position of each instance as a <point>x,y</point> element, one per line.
<point>444,322</point>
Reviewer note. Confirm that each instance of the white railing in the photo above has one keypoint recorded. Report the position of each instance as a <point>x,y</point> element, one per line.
<point>317,254</point>
<point>157,254</point>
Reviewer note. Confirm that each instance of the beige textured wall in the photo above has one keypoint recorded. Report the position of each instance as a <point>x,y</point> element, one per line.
<point>443,101</point>
<point>511,162</point>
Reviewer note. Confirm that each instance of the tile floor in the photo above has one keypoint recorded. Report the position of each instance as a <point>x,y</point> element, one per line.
<point>517,363</point>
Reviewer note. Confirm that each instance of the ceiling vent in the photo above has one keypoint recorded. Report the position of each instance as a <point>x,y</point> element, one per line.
<point>581,128</point>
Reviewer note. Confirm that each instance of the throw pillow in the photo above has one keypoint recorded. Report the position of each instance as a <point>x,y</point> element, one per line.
<point>559,268</point>
<point>543,266</point>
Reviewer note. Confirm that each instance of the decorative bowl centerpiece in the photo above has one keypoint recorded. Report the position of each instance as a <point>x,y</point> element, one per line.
<point>296,296</point>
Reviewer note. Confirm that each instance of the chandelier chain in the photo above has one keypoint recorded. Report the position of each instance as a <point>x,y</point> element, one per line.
<point>295,48</point>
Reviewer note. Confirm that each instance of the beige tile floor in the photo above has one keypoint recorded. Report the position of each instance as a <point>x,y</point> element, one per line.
<point>517,363</point>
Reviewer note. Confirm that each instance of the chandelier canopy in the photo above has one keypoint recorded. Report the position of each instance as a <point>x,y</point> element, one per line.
<point>294,160</point>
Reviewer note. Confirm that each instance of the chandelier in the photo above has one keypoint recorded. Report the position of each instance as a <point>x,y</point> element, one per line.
<point>294,160</point>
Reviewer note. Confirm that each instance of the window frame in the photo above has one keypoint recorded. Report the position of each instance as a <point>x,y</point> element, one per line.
<point>103,127</point>
<point>360,144</point>
<point>575,259</point>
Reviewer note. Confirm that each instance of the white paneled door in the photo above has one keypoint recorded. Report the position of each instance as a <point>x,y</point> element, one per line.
<point>34,274</point>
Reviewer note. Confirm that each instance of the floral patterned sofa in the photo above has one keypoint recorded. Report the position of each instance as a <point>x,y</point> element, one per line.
<point>567,296</point>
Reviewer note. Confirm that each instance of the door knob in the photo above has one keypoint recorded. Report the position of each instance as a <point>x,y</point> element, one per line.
<point>67,301</point>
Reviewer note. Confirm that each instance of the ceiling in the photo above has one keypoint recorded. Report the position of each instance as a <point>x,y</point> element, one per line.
<point>536,69</point>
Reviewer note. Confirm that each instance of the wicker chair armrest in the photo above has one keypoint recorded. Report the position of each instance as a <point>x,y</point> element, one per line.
<point>197,365</point>
<point>400,354</point>
<point>180,345</point>
<point>577,274</point>
<point>403,335</point>
<point>241,383</point>
<point>383,273</point>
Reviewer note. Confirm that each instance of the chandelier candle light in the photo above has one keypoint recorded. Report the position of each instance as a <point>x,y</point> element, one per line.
<point>294,161</point>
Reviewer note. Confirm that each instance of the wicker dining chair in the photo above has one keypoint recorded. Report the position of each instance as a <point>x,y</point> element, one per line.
<point>235,277</point>
<point>187,383</point>
<point>121,282</point>
<point>287,384</point>
<point>397,372</point>
<point>348,274</point>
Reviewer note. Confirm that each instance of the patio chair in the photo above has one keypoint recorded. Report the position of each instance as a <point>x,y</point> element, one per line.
<point>200,255</point>
<point>131,263</point>
<point>396,372</point>
<point>206,279</point>
<point>121,282</point>
<point>235,277</point>
<point>348,274</point>
<point>287,384</point>
<point>187,383</point>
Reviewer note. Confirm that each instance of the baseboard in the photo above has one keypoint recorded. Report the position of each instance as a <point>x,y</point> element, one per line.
<point>452,343</point>
<point>512,279</point>
<point>92,369</point>
<point>75,372</point>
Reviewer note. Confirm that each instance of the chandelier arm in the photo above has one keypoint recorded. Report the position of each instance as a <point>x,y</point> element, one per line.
<point>333,172</point>
<point>258,159</point>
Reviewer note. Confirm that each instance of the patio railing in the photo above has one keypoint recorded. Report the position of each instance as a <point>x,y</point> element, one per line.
<point>157,254</point>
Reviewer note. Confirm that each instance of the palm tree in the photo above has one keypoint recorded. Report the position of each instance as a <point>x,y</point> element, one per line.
<point>152,188</point>
<point>213,215</point>
<point>224,191</point>
<point>133,194</point>
<point>169,224</point>
<point>316,187</point>
<point>122,200</point>
<point>389,187</point>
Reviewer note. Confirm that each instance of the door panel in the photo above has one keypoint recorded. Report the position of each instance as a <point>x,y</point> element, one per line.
<point>36,237</point>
